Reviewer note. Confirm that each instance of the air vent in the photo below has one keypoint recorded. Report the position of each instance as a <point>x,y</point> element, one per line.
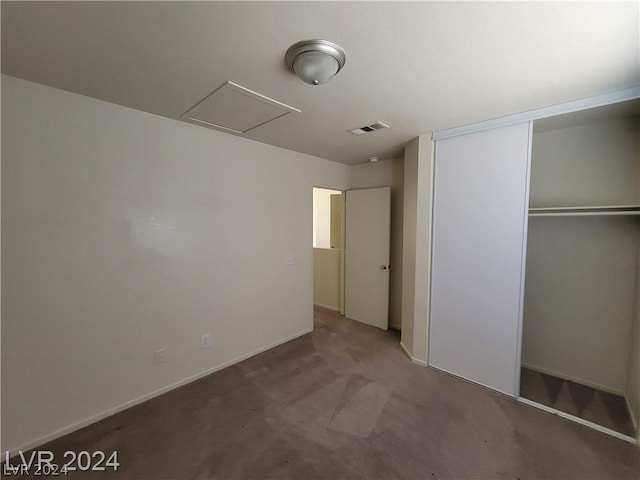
<point>368,128</point>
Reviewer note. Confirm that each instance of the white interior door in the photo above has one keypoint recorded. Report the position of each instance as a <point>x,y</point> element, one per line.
<point>368,230</point>
<point>479,237</point>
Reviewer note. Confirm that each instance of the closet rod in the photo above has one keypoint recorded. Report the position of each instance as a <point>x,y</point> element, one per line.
<point>585,210</point>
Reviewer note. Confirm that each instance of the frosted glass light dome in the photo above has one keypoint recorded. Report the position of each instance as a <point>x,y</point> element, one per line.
<point>315,61</point>
<point>315,68</point>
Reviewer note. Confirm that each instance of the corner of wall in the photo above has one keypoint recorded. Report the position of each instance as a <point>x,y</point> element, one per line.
<point>424,215</point>
<point>409,242</point>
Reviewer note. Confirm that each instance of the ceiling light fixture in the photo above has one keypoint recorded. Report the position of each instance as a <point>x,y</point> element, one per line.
<point>315,61</point>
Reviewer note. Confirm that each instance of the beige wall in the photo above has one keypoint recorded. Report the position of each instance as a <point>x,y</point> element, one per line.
<point>581,272</point>
<point>418,194</point>
<point>326,278</point>
<point>388,173</point>
<point>125,232</point>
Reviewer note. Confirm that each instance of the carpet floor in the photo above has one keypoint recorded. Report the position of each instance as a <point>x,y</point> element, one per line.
<point>603,408</point>
<point>345,402</point>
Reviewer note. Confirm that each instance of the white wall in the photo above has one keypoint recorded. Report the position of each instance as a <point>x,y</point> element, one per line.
<point>125,232</point>
<point>581,272</point>
<point>579,298</point>
<point>416,254</point>
<point>388,173</point>
<point>322,217</point>
<point>596,162</point>
<point>633,377</point>
<point>409,242</point>
<point>326,278</point>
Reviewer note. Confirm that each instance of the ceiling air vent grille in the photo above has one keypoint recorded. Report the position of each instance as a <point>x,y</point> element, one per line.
<point>368,128</point>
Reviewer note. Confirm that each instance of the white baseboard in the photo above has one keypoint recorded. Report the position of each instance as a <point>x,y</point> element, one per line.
<point>581,381</point>
<point>411,357</point>
<point>579,420</point>
<point>112,411</point>
<point>328,307</point>
<point>394,326</point>
<point>632,414</point>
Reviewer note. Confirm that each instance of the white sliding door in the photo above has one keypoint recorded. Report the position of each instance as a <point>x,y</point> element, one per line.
<point>480,218</point>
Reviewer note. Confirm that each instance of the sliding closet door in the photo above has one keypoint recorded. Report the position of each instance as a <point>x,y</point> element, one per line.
<point>481,196</point>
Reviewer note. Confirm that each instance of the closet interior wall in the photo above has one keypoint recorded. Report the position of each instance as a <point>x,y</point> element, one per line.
<point>581,309</point>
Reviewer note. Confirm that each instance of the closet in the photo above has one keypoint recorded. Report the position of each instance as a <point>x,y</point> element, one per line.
<point>582,265</point>
<point>535,258</point>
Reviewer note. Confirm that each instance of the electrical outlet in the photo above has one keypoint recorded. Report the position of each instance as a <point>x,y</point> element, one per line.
<point>161,356</point>
<point>289,259</point>
<point>205,341</point>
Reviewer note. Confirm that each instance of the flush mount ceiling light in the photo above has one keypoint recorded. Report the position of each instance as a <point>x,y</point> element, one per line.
<point>315,61</point>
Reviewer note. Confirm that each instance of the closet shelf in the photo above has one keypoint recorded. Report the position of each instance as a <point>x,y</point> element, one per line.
<point>585,211</point>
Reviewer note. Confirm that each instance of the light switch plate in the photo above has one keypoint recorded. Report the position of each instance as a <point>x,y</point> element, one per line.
<point>160,356</point>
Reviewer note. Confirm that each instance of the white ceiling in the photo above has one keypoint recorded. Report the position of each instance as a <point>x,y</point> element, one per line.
<point>419,67</point>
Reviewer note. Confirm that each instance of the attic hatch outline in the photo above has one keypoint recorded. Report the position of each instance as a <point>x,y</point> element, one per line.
<point>191,114</point>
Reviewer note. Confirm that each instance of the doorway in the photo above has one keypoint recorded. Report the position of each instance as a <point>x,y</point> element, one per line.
<point>351,251</point>
<point>328,254</point>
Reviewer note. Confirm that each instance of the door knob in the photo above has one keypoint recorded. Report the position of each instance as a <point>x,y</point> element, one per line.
<point>385,267</point>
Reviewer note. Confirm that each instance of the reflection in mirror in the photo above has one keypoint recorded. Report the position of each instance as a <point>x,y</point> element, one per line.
<point>327,218</point>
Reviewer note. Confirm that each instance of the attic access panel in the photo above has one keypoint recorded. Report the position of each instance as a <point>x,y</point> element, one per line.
<point>235,108</point>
